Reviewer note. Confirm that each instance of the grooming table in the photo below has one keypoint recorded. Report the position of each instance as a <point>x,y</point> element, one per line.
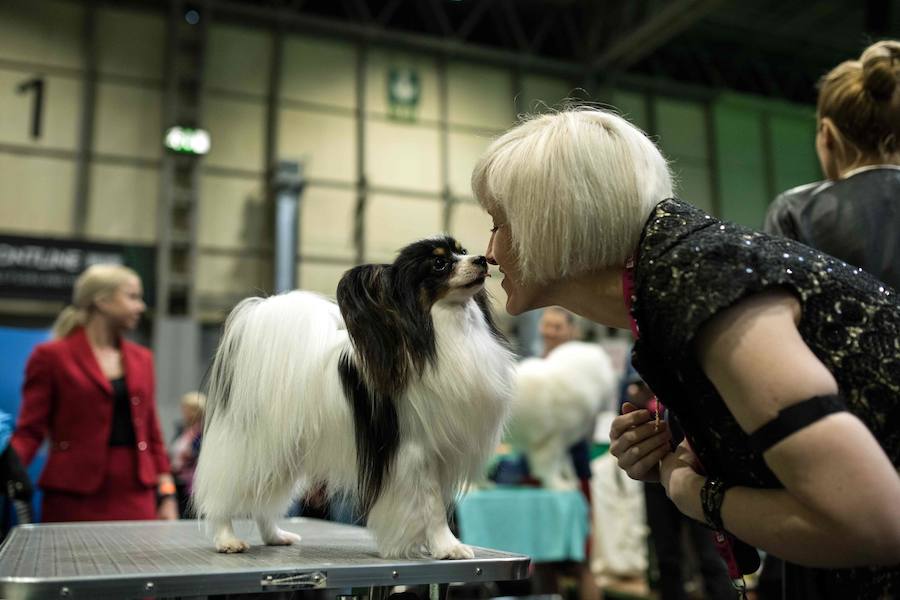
<point>153,559</point>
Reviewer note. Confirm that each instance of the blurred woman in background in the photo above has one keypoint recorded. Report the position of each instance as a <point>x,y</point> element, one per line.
<point>92,393</point>
<point>855,214</point>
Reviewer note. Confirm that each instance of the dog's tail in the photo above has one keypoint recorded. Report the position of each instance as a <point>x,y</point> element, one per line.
<point>271,357</point>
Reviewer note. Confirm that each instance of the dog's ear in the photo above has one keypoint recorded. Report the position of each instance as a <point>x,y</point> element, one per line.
<point>375,325</point>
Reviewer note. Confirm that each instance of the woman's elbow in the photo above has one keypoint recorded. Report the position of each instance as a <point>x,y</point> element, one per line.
<point>878,538</point>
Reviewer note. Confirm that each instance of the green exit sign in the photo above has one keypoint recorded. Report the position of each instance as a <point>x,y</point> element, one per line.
<point>185,140</point>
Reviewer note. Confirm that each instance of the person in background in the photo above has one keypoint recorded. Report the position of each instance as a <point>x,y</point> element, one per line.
<point>669,529</point>
<point>855,214</point>
<point>16,484</point>
<point>92,393</point>
<point>186,448</point>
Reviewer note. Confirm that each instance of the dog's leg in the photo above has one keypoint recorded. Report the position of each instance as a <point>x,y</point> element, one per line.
<point>226,540</point>
<point>410,517</point>
<point>547,463</point>
<point>272,535</point>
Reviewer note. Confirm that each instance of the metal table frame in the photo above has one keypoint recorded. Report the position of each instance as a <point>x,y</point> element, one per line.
<point>163,559</point>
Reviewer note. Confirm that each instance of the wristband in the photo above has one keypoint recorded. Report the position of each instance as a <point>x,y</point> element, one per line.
<point>712,494</point>
<point>166,489</point>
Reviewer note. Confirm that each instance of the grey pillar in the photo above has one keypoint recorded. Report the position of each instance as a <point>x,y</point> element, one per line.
<point>287,183</point>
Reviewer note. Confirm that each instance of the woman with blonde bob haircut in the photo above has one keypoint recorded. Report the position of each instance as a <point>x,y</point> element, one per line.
<point>769,353</point>
<point>91,392</point>
<point>599,205</point>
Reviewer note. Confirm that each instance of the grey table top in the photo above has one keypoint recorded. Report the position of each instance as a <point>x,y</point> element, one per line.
<point>175,558</point>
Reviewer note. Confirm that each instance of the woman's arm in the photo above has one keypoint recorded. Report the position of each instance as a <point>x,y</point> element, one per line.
<point>841,502</point>
<point>34,414</point>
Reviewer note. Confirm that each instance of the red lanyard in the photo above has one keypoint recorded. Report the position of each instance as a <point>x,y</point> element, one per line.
<point>653,404</point>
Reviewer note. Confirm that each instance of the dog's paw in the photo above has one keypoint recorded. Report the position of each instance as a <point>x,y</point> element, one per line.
<point>282,538</point>
<point>456,551</point>
<point>232,546</point>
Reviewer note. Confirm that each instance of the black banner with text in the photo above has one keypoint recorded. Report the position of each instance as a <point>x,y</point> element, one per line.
<point>46,269</point>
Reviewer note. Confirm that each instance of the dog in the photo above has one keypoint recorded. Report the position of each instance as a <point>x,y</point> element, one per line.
<point>394,396</point>
<point>556,402</point>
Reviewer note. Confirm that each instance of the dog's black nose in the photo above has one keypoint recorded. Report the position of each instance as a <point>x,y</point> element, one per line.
<point>480,261</point>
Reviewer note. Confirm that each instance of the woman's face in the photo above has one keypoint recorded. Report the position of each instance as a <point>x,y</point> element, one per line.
<point>519,297</point>
<point>125,307</point>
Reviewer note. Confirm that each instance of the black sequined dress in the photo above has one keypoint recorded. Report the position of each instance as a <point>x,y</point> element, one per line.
<point>689,267</point>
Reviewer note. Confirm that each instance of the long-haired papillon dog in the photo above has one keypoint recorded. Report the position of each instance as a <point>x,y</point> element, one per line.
<point>395,396</point>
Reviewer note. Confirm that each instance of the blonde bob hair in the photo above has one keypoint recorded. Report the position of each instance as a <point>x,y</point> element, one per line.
<point>575,188</point>
<point>95,283</point>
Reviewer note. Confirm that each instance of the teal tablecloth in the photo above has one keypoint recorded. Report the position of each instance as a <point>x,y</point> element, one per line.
<point>546,525</point>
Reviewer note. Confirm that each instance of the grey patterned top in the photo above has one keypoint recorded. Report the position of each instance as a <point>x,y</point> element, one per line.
<point>690,266</point>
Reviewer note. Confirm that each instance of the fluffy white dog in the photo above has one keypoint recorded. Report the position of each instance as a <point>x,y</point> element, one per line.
<point>395,396</point>
<point>556,402</point>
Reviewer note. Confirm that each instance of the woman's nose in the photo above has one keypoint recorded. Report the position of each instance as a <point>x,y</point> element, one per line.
<point>489,253</point>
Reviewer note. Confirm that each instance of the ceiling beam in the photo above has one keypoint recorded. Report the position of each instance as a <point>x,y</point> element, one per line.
<point>657,29</point>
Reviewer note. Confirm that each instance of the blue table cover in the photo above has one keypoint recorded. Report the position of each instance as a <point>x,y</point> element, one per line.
<point>547,525</point>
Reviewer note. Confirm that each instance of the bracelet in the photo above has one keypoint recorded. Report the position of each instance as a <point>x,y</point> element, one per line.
<point>166,489</point>
<point>712,494</point>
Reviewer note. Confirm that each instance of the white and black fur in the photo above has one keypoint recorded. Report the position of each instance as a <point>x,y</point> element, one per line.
<point>395,396</point>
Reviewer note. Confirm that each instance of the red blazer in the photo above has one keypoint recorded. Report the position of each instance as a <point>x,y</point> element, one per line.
<point>67,397</point>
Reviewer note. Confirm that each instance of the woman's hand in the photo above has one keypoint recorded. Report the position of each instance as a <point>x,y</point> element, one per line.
<point>638,442</point>
<point>679,474</point>
<point>168,509</point>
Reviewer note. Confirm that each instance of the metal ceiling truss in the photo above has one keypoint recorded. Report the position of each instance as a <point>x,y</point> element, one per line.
<point>714,43</point>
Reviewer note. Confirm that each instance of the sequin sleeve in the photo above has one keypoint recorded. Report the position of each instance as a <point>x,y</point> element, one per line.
<point>691,269</point>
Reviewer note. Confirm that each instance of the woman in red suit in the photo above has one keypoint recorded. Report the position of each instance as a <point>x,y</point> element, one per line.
<point>91,392</point>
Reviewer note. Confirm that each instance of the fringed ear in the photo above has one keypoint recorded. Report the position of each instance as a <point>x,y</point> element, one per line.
<point>375,325</point>
<point>483,299</point>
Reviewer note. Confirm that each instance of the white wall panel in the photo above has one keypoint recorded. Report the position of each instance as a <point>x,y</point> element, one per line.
<point>540,92</point>
<point>60,118</point>
<point>238,59</point>
<point>319,70</point>
<point>632,106</point>
<point>46,32</point>
<point>36,196</point>
<point>326,222</point>
<point>393,222</point>
<point>681,128</point>
<point>321,277</point>
<point>325,142</point>
<point>237,133</point>
<point>379,62</point>
<point>693,184</point>
<point>130,43</point>
<point>465,150</point>
<point>231,275</point>
<point>232,213</point>
<point>480,96</point>
<point>471,226</point>
<point>128,121</point>
<point>403,156</point>
<point>123,203</point>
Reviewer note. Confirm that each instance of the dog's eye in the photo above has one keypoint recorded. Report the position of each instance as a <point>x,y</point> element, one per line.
<point>440,264</point>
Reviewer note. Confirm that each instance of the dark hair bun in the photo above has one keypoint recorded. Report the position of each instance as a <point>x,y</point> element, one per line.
<point>881,69</point>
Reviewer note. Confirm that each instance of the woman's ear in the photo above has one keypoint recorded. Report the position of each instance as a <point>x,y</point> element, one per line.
<point>826,147</point>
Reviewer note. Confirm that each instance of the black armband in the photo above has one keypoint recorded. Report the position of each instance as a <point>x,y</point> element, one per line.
<point>793,419</point>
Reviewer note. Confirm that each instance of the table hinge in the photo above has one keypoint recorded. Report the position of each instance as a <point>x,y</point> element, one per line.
<point>295,581</point>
